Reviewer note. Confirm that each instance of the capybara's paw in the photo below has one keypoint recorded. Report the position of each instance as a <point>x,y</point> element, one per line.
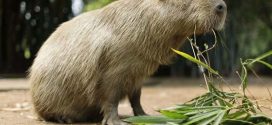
<point>114,122</point>
<point>140,113</point>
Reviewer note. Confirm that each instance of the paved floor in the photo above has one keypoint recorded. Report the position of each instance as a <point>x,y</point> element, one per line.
<point>15,107</point>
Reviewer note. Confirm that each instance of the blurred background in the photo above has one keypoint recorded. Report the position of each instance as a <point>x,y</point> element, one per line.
<point>26,24</point>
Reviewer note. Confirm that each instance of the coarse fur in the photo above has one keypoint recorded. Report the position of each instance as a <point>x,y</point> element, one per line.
<point>96,59</point>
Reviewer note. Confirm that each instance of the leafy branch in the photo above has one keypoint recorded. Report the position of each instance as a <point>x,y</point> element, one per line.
<point>214,107</point>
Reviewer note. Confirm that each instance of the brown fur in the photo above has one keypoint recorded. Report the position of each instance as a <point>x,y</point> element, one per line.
<point>94,60</point>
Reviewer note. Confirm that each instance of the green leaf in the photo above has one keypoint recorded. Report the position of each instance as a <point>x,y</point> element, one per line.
<point>198,118</point>
<point>151,120</point>
<point>262,123</point>
<point>192,107</point>
<point>187,56</point>
<point>220,98</point>
<point>207,121</point>
<point>248,105</point>
<point>236,122</point>
<point>260,119</point>
<point>265,63</point>
<point>267,54</point>
<point>220,117</point>
<point>173,114</point>
<point>237,115</point>
<point>171,123</point>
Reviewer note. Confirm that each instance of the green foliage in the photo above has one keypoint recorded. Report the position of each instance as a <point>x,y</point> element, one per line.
<point>96,4</point>
<point>249,64</point>
<point>259,59</point>
<point>214,107</point>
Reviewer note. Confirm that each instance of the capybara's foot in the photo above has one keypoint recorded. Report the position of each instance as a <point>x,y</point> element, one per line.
<point>139,112</point>
<point>113,121</point>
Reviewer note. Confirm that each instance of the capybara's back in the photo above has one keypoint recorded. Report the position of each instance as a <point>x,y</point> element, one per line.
<point>93,61</point>
<point>65,72</point>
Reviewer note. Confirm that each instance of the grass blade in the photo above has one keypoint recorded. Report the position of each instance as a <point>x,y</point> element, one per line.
<point>269,53</point>
<point>220,117</point>
<point>173,114</point>
<point>189,57</point>
<point>171,123</point>
<point>265,63</point>
<point>207,121</point>
<point>151,120</point>
<point>200,117</point>
<point>237,115</point>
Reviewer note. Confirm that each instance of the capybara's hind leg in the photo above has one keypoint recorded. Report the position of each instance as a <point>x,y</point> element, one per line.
<point>95,114</point>
<point>61,118</point>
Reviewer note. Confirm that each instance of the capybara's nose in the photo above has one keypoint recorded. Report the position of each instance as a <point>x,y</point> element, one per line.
<point>221,8</point>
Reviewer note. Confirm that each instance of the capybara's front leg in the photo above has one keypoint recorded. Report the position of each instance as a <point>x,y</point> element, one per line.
<point>135,102</point>
<point>110,110</point>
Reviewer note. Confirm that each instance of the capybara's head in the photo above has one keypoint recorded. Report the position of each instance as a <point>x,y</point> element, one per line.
<point>199,15</point>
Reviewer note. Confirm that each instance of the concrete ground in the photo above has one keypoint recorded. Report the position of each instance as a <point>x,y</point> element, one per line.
<point>15,107</point>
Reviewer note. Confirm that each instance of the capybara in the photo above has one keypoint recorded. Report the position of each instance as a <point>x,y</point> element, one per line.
<point>96,59</point>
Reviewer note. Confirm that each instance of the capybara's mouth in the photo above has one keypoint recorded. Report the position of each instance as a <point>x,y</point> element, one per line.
<point>209,25</point>
<point>217,25</point>
<point>220,25</point>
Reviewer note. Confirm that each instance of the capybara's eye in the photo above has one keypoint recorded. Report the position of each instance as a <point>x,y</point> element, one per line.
<point>220,8</point>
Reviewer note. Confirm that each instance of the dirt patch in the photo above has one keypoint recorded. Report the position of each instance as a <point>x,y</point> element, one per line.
<point>15,108</point>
